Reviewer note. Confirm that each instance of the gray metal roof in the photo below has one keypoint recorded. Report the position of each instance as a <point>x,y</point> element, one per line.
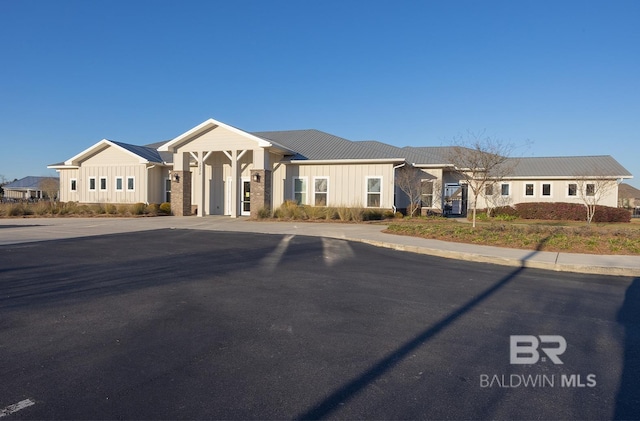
<point>568,166</point>
<point>165,156</point>
<point>316,145</point>
<point>148,153</point>
<point>30,183</point>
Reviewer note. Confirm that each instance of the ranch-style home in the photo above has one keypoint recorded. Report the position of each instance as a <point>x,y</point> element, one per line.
<point>218,169</point>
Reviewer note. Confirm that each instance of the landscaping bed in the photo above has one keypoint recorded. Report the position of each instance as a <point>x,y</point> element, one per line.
<point>568,237</point>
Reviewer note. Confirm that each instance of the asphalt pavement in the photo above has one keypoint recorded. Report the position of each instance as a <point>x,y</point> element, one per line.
<point>192,323</point>
<point>38,229</point>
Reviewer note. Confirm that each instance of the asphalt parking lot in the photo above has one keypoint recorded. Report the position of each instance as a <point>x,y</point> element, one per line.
<point>189,324</point>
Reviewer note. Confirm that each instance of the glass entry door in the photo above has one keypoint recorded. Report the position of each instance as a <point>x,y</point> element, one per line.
<point>245,200</point>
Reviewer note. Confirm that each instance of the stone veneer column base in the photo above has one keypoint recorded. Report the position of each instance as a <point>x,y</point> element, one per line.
<point>181,193</point>
<point>260,191</point>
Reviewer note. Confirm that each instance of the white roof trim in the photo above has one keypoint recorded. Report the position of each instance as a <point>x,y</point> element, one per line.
<point>103,144</point>
<point>211,124</point>
<point>344,161</point>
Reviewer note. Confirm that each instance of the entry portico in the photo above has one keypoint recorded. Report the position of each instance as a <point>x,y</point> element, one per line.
<point>226,170</point>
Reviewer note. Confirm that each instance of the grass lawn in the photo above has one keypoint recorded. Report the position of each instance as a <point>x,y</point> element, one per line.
<point>559,236</point>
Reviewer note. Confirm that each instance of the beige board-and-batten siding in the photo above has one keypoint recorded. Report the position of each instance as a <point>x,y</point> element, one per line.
<point>347,183</point>
<point>109,163</point>
<point>559,192</point>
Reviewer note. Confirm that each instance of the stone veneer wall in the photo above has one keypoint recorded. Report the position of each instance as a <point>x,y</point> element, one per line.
<point>260,191</point>
<point>181,193</point>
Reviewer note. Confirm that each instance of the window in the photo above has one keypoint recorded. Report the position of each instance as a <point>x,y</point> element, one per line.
<point>504,190</point>
<point>167,190</point>
<point>118,183</point>
<point>488,190</point>
<point>103,183</point>
<point>320,190</point>
<point>528,189</point>
<point>591,190</point>
<point>74,184</point>
<point>300,190</point>
<point>427,193</point>
<point>374,192</point>
<point>92,183</point>
<point>572,190</point>
<point>546,189</point>
<point>131,183</point>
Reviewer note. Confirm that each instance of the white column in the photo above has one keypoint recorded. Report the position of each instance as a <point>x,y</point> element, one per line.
<point>235,184</point>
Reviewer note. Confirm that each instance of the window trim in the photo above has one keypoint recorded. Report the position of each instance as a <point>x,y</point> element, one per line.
<point>92,180</point>
<point>326,193</point>
<point>593,189</point>
<point>73,184</point>
<point>105,184</point>
<point>121,184</point>
<point>305,179</point>
<point>130,177</point>
<point>567,190</point>
<point>167,191</point>
<point>508,189</point>
<point>542,190</point>
<point>367,192</point>
<point>533,187</point>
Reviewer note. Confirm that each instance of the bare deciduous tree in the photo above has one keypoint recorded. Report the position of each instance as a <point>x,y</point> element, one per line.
<point>409,180</point>
<point>481,161</point>
<point>50,187</point>
<point>592,189</point>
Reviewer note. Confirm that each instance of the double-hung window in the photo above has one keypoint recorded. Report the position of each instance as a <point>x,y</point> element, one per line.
<point>131,183</point>
<point>320,191</point>
<point>300,190</point>
<point>92,183</point>
<point>103,183</point>
<point>504,189</point>
<point>374,192</point>
<point>528,189</point>
<point>119,184</point>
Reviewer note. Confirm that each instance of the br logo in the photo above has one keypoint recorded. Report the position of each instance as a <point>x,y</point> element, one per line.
<point>524,348</point>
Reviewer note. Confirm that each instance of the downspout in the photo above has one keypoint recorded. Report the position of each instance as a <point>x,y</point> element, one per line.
<point>395,209</point>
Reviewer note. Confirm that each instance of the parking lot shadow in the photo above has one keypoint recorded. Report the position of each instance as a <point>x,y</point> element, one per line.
<point>352,388</point>
<point>628,398</point>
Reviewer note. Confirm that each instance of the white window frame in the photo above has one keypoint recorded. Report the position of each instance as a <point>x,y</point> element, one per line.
<point>130,177</point>
<point>326,193</point>
<point>567,190</point>
<point>121,188</point>
<point>508,188</point>
<point>92,180</point>
<point>424,196</point>
<point>305,192</point>
<point>542,190</point>
<point>100,184</point>
<point>524,190</point>
<point>367,192</point>
<point>167,191</point>
<point>73,184</point>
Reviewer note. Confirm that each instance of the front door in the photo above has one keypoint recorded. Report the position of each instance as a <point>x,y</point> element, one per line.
<point>245,199</point>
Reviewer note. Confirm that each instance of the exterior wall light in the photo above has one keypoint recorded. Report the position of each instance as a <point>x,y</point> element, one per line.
<point>176,177</point>
<point>256,177</point>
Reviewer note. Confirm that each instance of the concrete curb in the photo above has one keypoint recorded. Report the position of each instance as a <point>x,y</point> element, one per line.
<point>505,261</point>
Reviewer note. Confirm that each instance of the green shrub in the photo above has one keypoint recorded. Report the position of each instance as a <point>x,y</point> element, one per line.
<point>264,212</point>
<point>570,212</point>
<point>138,208</point>
<point>152,209</point>
<point>165,208</point>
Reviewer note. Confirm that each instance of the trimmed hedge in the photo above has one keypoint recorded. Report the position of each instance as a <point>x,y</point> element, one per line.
<point>570,212</point>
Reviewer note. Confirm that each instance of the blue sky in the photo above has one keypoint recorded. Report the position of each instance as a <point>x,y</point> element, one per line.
<point>563,75</point>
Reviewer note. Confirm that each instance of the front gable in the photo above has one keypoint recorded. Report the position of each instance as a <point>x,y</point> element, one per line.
<point>213,135</point>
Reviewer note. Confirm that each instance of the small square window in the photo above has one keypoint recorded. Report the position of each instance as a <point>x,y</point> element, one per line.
<point>504,190</point>
<point>572,190</point>
<point>528,190</point>
<point>546,189</point>
<point>591,190</point>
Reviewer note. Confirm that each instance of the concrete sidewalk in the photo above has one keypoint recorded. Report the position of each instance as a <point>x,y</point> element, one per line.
<point>24,230</point>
